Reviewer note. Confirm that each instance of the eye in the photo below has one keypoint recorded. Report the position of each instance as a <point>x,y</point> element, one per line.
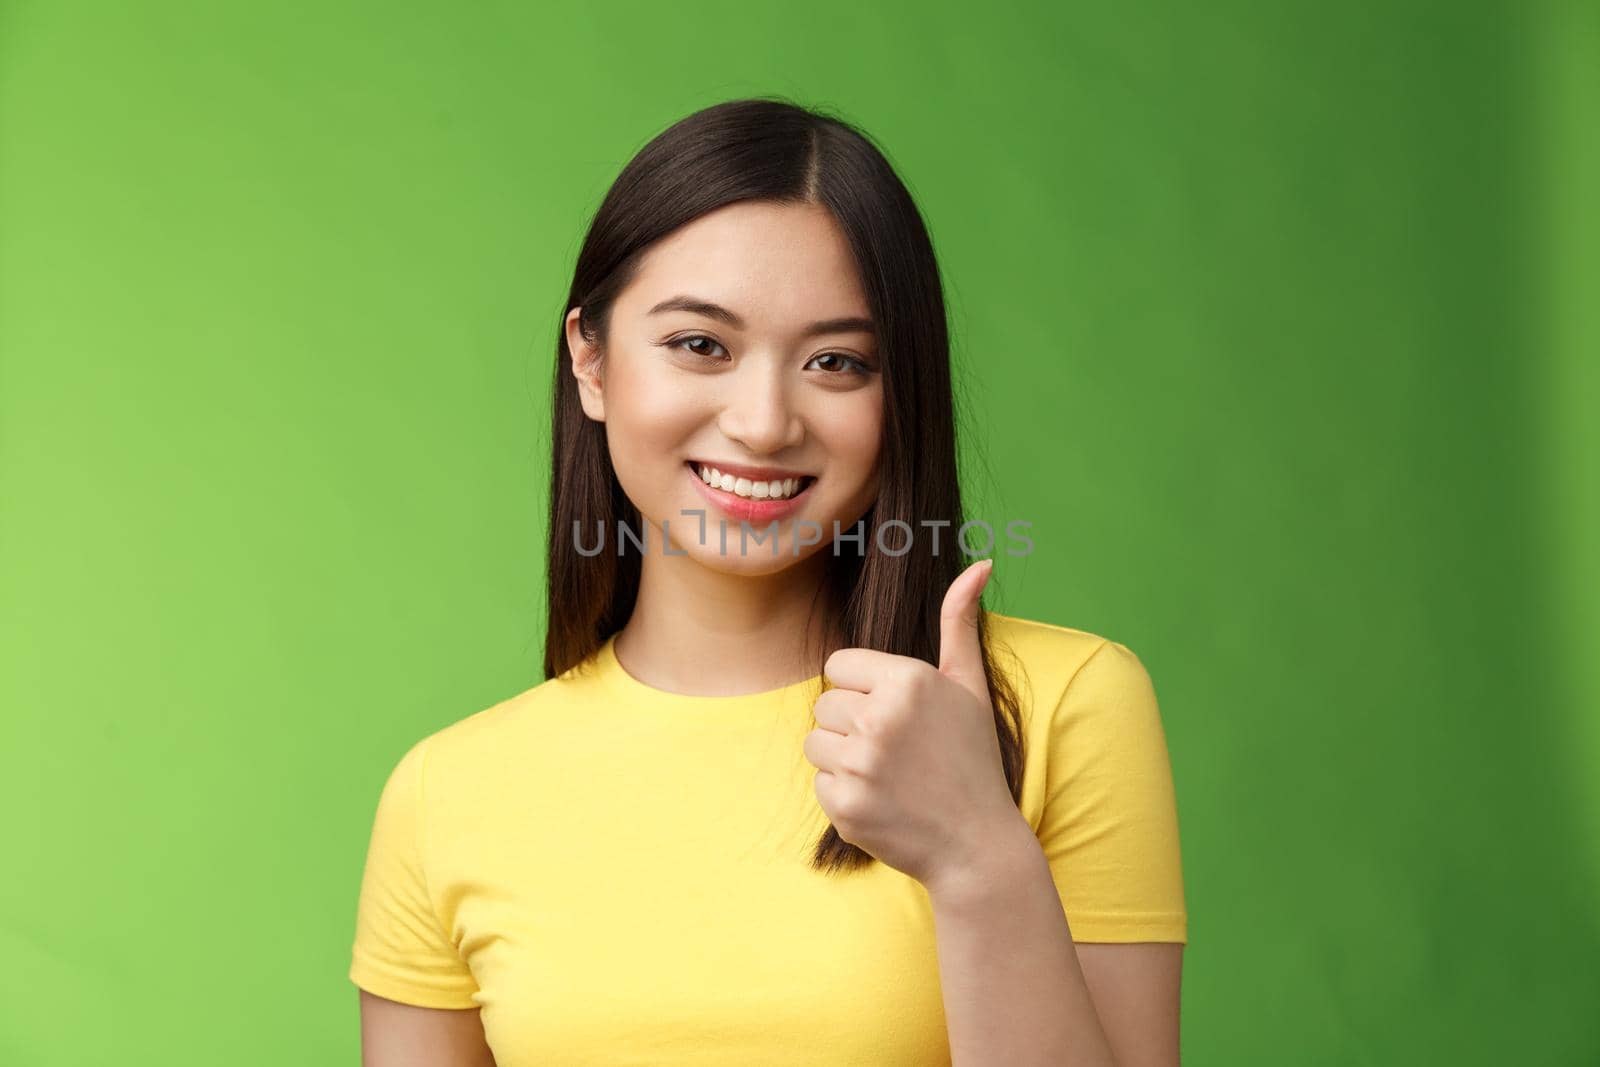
<point>839,362</point>
<point>678,343</point>
<point>842,362</point>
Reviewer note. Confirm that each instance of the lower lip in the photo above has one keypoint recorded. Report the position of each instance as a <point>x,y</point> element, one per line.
<point>745,508</point>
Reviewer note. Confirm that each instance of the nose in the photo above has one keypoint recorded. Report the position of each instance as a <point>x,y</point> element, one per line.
<point>758,412</point>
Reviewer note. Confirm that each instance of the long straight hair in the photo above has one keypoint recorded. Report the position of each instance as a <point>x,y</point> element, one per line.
<point>771,149</point>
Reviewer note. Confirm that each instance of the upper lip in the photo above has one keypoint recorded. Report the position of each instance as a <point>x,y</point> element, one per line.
<point>755,474</point>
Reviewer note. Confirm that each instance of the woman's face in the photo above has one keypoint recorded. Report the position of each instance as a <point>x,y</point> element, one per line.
<point>775,387</point>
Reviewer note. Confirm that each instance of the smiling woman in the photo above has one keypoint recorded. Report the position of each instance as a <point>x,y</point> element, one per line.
<point>770,393</point>
<point>794,805</point>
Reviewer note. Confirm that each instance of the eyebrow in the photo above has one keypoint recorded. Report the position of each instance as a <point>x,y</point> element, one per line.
<point>849,324</point>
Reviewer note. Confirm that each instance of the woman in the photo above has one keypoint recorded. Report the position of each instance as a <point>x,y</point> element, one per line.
<point>788,794</point>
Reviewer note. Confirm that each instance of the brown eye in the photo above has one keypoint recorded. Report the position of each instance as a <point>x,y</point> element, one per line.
<point>688,339</point>
<point>842,362</point>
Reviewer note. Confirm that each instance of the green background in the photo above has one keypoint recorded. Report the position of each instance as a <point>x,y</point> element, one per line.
<point>1276,320</point>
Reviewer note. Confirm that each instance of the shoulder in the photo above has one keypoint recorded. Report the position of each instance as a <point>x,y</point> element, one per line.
<point>1095,756</point>
<point>1038,634</point>
<point>1055,666</point>
<point>1040,657</point>
<point>486,737</point>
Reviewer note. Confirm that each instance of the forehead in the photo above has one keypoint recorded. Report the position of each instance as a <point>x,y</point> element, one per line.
<point>775,264</point>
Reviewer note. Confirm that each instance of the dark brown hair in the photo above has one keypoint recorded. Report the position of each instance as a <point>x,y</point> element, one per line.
<point>770,149</point>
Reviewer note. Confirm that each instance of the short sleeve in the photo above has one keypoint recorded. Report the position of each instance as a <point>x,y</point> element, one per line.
<point>1109,827</point>
<point>402,951</point>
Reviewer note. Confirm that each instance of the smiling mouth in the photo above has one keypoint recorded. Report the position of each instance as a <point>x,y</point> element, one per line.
<point>748,488</point>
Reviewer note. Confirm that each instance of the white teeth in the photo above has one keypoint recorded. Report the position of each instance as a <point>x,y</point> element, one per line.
<point>773,490</point>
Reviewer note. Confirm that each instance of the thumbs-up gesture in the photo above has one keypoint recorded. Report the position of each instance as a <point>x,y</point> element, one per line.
<point>908,765</point>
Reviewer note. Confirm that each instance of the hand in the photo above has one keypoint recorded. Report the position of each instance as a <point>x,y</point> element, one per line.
<point>908,764</point>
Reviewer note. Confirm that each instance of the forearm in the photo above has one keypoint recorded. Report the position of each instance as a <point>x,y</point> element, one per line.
<point>1014,993</point>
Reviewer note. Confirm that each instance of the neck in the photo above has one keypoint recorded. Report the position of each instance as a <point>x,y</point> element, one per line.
<point>719,632</point>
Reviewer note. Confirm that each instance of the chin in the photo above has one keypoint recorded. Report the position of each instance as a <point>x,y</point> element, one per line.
<point>757,559</point>
<point>751,566</point>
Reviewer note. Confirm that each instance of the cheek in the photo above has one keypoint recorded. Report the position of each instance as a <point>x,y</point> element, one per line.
<point>853,432</point>
<point>653,416</point>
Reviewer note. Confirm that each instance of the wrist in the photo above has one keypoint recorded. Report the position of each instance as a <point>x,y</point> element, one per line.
<point>992,868</point>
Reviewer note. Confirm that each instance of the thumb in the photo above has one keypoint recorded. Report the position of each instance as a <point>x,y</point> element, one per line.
<point>960,653</point>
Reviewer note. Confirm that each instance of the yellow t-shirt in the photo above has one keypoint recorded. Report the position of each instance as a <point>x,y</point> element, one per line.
<point>616,874</point>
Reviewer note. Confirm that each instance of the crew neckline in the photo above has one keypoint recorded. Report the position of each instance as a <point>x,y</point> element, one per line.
<point>617,677</point>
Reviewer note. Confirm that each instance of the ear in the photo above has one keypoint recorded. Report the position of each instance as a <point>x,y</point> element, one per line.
<point>586,368</point>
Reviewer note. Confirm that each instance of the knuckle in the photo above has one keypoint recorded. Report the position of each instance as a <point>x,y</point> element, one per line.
<point>878,723</point>
<point>864,761</point>
<point>847,805</point>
